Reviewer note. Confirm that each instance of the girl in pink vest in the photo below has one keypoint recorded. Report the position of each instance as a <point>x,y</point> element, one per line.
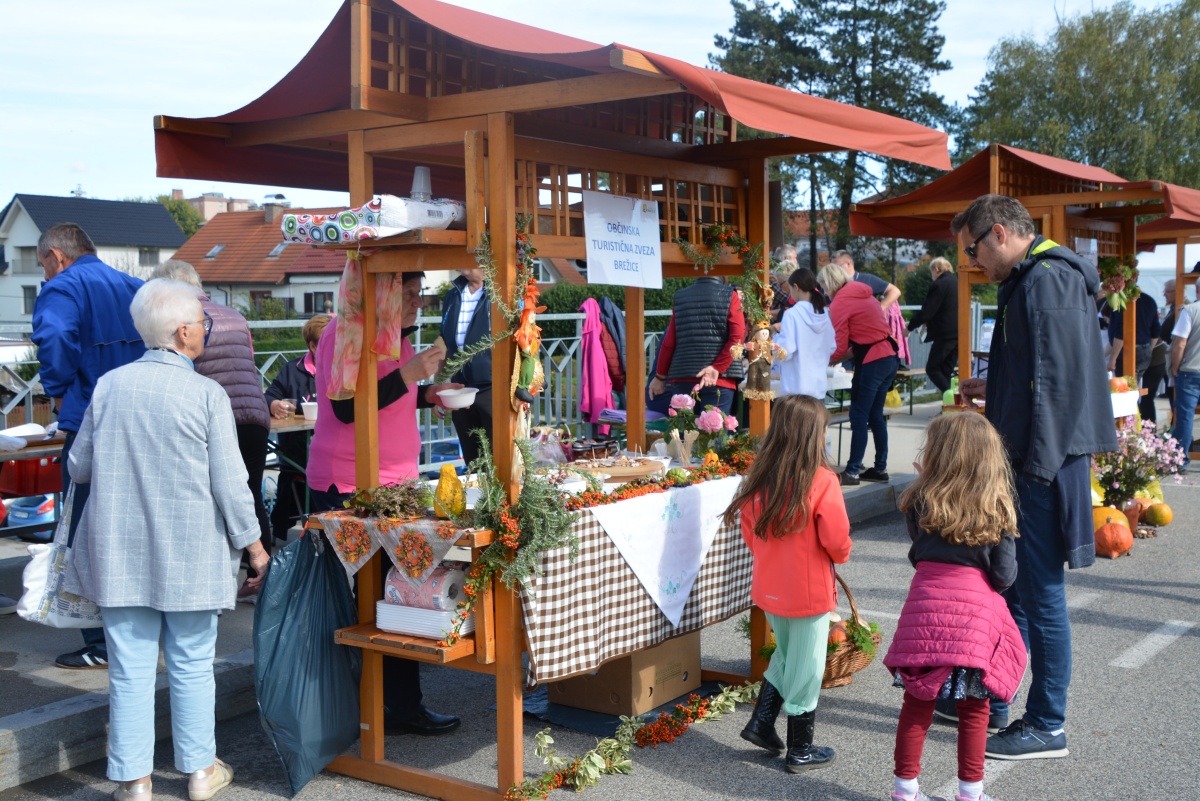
<point>956,638</point>
<point>794,521</point>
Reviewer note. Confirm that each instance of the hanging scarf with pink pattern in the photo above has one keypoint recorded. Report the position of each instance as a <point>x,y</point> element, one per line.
<point>347,347</point>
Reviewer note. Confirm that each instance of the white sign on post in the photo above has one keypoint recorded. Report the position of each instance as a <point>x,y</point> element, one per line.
<point>1089,249</point>
<point>622,240</point>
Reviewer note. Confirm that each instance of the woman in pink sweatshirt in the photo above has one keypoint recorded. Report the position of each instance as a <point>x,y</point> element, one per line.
<point>860,328</point>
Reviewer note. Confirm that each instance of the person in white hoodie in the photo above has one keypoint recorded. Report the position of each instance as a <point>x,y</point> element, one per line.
<point>806,333</point>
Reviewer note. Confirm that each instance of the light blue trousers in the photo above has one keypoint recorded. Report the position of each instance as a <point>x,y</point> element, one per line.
<point>799,660</point>
<point>189,644</point>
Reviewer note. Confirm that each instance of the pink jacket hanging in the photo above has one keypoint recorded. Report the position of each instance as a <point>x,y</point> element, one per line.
<point>595,387</point>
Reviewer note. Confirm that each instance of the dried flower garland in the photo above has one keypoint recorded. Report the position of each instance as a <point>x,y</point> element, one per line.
<point>611,755</point>
<point>353,540</point>
<point>414,553</point>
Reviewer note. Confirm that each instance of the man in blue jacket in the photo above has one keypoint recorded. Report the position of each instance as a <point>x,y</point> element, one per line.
<point>1048,397</point>
<point>82,329</point>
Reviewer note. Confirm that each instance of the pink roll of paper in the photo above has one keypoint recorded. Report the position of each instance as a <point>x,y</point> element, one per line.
<point>442,590</point>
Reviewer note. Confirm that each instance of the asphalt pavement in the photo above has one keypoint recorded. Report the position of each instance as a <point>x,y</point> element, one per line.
<point>1131,729</point>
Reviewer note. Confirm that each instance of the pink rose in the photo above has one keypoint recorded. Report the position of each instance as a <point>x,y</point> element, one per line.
<point>731,423</point>
<point>672,413</point>
<point>696,388</point>
<point>710,421</point>
<point>682,402</point>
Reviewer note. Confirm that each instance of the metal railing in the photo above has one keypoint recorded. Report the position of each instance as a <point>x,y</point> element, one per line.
<point>558,405</point>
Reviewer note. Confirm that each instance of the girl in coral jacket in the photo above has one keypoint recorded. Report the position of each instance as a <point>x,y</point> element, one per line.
<point>794,521</point>
<point>956,638</point>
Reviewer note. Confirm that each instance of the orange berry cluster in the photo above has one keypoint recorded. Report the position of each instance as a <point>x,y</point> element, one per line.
<point>510,535</point>
<point>672,725</point>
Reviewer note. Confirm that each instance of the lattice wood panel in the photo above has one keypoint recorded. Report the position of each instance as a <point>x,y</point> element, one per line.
<point>1020,179</point>
<point>552,193</point>
<point>410,57</point>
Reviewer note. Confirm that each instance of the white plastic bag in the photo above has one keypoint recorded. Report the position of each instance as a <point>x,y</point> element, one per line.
<point>44,600</point>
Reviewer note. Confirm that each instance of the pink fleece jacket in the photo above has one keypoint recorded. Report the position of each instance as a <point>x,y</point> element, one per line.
<point>858,317</point>
<point>595,389</point>
<point>953,618</point>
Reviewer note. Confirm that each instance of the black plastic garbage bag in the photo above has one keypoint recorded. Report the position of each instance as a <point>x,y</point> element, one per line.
<point>307,685</point>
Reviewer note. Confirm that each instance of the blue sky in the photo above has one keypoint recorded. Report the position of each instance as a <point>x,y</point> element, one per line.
<point>84,79</point>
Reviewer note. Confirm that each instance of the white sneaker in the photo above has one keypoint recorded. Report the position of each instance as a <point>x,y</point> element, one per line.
<point>203,785</point>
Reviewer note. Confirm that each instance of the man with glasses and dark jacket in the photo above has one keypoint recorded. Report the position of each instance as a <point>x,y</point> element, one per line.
<point>466,320</point>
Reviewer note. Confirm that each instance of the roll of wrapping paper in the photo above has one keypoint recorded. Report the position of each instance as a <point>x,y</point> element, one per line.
<point>442,590</point>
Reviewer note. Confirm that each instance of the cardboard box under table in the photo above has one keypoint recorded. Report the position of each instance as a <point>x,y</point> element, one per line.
<point>635,683</point>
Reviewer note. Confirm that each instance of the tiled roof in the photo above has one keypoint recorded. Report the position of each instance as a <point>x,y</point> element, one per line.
<point>248,240</point>
<point>107,222</point>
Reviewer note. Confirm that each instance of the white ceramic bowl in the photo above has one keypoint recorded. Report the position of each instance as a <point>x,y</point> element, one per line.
<point>310,410</point>
<point>458,398</point>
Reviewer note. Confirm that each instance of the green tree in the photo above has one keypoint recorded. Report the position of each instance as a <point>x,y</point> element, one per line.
<point>187,217</point>
<point>1116,88</point>
<point>874,54</point>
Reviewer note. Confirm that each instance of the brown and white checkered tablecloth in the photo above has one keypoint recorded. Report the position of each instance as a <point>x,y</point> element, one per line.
<point>583,613</point>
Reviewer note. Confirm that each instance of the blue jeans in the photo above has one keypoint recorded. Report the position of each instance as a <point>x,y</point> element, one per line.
<point>1038,602</point>
<point>189,644</point>
<point>1187,396</point>
<point>871,384</point>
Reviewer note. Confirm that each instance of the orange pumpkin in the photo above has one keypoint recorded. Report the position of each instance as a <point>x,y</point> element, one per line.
<point>1113,540</point>
<point>1103,515</point>
<point>711,460</point>
<point>1158,514</point>
<point>837,632</point>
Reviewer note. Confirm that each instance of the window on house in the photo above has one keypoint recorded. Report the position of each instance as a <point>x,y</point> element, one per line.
<point>148,257</point>
<point>318,302</point>
<point>212,254</point>
<point>274,254</point>
<point>28,298</point>
<point>545,274</point>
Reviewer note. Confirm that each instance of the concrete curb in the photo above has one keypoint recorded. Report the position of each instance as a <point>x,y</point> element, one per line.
<point>872,500</point>
<point>50,739</point>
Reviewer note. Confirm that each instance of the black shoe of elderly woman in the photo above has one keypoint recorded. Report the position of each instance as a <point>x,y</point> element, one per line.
<point>424,722</point>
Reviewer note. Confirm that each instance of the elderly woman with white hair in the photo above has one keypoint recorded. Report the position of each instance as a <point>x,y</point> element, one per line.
<point>861,330</point>
<point>159,544</point>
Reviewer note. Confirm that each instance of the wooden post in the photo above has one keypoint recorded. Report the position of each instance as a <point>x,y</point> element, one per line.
<point>965,276</point>
<point>366,465</point>
<point>758,227</point>
<point>1129,318</point>
<point>360,63</point>
<point>635,369</point>
<point>501,220</point>
<point>760,630</point>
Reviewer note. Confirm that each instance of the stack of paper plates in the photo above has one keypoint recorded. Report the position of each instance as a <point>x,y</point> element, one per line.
<point>431,623</point>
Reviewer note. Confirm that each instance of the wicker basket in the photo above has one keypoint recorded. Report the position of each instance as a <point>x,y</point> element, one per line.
<point>847,658</point>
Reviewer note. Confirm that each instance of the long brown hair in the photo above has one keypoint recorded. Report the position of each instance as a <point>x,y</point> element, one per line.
<point>965,490</point>
<point>803,278</point>
<point>782,472</point>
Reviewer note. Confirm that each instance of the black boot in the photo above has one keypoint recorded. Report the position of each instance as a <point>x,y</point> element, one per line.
<point>801,754</point>
<point>761,728</point>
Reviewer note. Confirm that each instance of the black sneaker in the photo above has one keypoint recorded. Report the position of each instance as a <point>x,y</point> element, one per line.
<point>848,480</point>
<point>1022,741</point>
<point>871,474</point>
<point>87,658</point>
<point>947,709</point>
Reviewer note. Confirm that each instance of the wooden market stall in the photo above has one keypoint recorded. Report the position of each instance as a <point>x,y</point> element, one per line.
<point>510,119</point>
<point>1069,202</point>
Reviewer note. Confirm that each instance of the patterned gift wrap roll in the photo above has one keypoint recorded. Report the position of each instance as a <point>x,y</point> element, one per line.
<point>442,591</point>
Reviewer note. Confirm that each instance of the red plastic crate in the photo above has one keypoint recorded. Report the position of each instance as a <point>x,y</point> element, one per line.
<point>26,477</point>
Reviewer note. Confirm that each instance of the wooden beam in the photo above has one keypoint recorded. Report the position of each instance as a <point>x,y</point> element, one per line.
<point>416,259</point>
<point>397,104</point>
<point>758,227</point>
<point>583,91</point>
<point>475,174</point>
<point>309,126</point>
<point>928,208</point>
<point>537,128</point>
<point>952,207</point>
<point>1129,318</point>
<point>421,134</point>
<point>964,315</point>
<point>635,369</point>
<point>1119,212</point>
<point>632,61</point>
<point>612,161</point>
<point>219,130</point>
<point>360,53</point>
<point>501,218</point>
<point>759,149</point>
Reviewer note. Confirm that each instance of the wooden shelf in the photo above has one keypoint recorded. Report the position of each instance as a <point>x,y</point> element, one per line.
<point>371,637</point>
<point>419,236</point>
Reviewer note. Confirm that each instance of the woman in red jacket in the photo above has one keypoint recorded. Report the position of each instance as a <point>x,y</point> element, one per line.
<point>861,330</point>
<point>794,520</point>
<point>956,638</point>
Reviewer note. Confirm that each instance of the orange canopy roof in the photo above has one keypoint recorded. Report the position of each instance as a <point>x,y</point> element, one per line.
<point>320,82</point>
<point>965,183</point>
<point>1182,218</point>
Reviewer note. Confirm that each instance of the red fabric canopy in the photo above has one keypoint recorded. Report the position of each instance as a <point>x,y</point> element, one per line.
<point>965,183</point>
<point>320,82</point>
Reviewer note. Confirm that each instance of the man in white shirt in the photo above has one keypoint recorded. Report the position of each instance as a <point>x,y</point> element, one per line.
<point>1185,367</point>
